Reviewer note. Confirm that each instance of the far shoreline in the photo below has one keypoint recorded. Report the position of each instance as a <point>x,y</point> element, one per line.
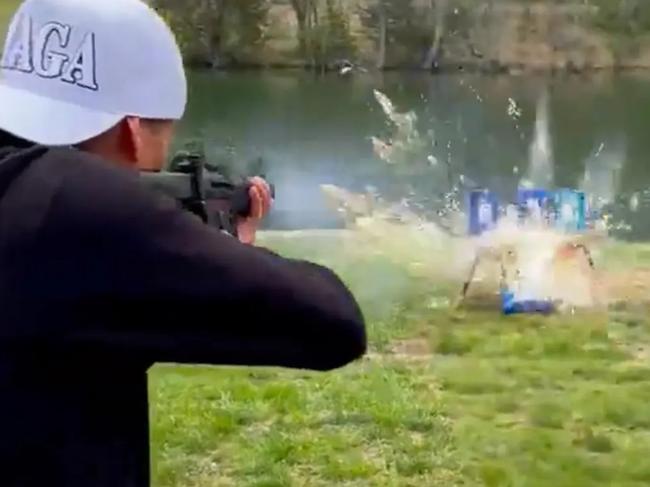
<point>458,69</point>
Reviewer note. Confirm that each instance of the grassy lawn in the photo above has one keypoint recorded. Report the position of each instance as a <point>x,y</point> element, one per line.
<point>444,398</point>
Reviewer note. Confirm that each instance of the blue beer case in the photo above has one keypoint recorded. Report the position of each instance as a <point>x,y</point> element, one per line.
<point>562,209</point>
<point>535,205</point>
<point>571,210</point>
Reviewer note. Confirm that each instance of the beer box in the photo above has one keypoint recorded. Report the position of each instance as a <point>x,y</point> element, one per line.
<point>510,306</point>
<point>535,206</point>
<point>570,210</point>
<point>483,211</point>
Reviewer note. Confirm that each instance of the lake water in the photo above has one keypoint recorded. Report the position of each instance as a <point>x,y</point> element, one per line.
<point>592,132</point>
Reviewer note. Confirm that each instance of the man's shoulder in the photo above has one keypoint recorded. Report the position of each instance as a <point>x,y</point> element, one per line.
<point>78,167</point>
<point>89,188</point>
<point>92,175</point>
<point>55,170</point>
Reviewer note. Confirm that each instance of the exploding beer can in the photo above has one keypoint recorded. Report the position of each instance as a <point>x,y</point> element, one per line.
<point>483,211</point>
<point>535,206</point>
<point>570,210</point>
<point>510,306</point>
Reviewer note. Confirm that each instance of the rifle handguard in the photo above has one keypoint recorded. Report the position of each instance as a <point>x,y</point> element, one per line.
<point>239,196</point>
<point>207,194</point>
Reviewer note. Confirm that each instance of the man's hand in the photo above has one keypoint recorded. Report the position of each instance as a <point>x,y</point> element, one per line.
<point>261,201</point>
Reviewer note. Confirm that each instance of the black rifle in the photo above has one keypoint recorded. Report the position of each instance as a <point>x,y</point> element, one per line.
<point>205,191</point>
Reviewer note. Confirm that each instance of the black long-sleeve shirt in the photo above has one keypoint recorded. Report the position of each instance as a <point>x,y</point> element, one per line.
<point>99,279</point>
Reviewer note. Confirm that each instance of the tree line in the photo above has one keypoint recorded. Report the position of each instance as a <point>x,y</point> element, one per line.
<point>383,33</point>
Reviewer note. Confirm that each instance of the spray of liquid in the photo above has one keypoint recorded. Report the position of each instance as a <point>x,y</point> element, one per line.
<point>542,261</point>
<point>541,165</point>
<point>601,181</point>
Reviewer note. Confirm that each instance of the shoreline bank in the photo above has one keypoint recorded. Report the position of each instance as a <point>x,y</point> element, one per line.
<point>461,69</point>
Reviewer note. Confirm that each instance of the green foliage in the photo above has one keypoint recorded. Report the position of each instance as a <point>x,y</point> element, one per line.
<point>216,32</point>
<point>394,33</point>
<point>248,19</point>
<point>339,42</point>
<point>229,32</point>
<point>408,32</point>
<point>413,26</point>
<point>324,31</point>
<point>623,17</point>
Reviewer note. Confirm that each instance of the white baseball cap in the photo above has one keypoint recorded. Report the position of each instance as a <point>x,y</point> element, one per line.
<point>72,69</point>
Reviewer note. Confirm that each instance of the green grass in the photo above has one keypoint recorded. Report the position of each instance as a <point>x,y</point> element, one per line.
<point>444,398</point>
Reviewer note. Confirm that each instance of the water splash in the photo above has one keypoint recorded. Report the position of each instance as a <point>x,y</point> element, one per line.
<point>412,153</point>
<point>541,263</point>
<point>540,170</point>
<point>601,179</point>
<point>635,201</point>
<point>515,112</point>
<point>545,265</point>
<point>473,90</point>
<point>405,140</point>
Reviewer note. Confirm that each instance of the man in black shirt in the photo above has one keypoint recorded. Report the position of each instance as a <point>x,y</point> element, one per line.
<point>100,277</point>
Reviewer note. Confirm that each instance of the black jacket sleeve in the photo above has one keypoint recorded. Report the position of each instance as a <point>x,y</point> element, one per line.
<point>141,277</point>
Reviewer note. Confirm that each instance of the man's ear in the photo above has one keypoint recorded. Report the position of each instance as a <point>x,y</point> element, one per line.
<point>131,139</point>
<point>118,144</point>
